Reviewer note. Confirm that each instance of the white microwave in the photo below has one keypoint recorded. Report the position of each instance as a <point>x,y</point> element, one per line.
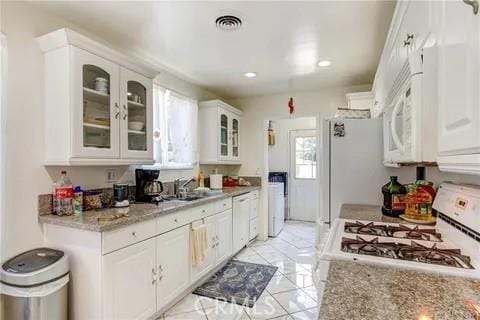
<point>409,118</point>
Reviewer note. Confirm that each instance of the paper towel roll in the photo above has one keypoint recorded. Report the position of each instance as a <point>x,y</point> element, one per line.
<point>216,181</point>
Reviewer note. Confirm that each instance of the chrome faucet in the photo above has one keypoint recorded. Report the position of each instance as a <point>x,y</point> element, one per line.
<point>180,190</point>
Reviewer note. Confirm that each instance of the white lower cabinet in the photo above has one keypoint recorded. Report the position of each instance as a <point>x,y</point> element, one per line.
<point>219,230</point>
<point>129,282</point>
<point>241,221</point>
<point>134,272</point>
<point>223,236</point>
<point>207,264</point>
<point>173,257</point>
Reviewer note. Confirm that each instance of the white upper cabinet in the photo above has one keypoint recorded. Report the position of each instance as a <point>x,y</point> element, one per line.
<point>409,32</point>
<point>459,88</point>
<point>136,113</point>
<point>98,103</point>
<point>219,131</point>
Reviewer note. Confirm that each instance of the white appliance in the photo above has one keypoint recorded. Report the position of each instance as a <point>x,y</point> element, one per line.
<point>351,166</point>
<point>276,208</point>
<point>451,247</point>
<point>409,121</point>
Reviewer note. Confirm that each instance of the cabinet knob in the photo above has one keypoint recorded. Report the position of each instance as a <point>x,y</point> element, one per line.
<point>117,113</point>
<point>134,233</point>
<point>176,220</point>
<point>154,276</point>
<point>474,4</point>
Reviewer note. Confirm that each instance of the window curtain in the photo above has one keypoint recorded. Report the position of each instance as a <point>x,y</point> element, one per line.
<point>175,129</point>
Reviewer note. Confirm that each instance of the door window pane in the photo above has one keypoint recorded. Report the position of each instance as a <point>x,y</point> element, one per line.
<point>305,157</point>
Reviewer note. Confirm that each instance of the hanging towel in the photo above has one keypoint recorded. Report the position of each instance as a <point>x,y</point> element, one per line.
<point>199,244</point>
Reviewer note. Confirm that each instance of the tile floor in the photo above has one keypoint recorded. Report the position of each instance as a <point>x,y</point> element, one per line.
<point>291,294</point>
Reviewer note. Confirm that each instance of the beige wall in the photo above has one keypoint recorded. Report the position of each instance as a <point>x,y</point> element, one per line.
<point>25,175</point>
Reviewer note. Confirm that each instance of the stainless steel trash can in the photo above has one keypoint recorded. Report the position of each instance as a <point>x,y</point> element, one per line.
<point>34,286</point>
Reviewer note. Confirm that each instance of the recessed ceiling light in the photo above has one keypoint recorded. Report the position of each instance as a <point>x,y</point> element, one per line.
<point>250,74</point>
<point>324,63</point>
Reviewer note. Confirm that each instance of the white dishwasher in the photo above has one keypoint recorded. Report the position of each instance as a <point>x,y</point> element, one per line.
<point>276,208</point>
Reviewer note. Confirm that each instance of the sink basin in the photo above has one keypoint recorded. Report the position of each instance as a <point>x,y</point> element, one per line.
<point>190,198</point>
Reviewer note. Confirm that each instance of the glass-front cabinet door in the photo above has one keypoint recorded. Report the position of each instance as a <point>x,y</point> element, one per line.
<point>224,135</point>
<point>235,138</point>
<point>97,109</point>
<point>136,115</point>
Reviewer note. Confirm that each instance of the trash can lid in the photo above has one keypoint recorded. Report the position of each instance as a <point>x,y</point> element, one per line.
<point>34,267</point>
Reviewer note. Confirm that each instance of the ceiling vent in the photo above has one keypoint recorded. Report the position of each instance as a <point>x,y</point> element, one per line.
<point>228,23</point>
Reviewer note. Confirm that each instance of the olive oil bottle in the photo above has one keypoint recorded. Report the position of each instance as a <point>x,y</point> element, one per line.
<point>393,198</point>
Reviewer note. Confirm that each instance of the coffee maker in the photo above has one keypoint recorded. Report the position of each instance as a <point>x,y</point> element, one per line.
<point>148,187</point>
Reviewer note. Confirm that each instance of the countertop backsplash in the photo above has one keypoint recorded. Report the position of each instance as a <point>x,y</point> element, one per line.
<point>45,205</point>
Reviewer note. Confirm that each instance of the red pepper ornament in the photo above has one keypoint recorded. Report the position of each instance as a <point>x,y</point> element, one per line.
<point>291,105</point>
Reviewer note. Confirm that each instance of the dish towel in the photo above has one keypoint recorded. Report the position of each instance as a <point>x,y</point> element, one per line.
<point>199,244</point>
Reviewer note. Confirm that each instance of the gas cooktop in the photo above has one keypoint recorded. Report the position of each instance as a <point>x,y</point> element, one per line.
<point>441,249</point>
<point>412,251</point>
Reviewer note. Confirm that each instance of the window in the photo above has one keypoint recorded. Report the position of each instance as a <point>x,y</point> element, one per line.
<point>305,158</point>
<point>175,129</point>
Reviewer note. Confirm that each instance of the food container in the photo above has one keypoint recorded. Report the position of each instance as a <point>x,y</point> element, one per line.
<point>101,85</point>
<point>136,125</point>
<point>92,200</point>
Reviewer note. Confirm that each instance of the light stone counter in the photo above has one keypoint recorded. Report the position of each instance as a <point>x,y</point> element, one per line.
<point>88,220</point>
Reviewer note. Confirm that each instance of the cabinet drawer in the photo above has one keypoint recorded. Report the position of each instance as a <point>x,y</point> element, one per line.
<point>253,229</point>
<point>116,239</point>
<point>223,205</point>
<point>181,218</point>
<point>254,208</point>
<point>254,194</point>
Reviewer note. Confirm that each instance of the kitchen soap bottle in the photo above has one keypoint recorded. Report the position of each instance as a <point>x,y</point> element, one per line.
<point>393,198</point>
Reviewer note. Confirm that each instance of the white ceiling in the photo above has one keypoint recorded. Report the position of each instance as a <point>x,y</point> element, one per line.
<point>281,41</point>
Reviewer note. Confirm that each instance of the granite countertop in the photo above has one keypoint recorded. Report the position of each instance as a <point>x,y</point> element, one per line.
<point>361,291</point>
<point>356,290</point>
<point>88,220</point>
<point>366,212</point>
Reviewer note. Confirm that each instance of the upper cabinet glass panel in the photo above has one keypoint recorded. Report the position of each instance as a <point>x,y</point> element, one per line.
<point>235,137</point>
<point>136,112</point>
<point>96,107</point>
<point>223,135</point>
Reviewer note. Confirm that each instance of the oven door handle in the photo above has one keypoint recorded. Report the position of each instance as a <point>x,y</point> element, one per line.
<point>393,125</point>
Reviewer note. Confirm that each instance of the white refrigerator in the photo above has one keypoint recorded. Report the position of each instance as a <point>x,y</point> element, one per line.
<point>351,166</point>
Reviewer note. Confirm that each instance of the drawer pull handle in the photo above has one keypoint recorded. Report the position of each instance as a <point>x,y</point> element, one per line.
<point>134,233</point>
<point>160,269</point>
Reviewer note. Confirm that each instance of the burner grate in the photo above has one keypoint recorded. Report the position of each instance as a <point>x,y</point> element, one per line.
<point>408,252</point>
<point>393,231</point>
